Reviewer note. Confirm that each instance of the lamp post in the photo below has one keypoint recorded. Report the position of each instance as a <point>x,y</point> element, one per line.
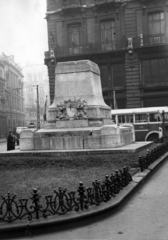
<point>38,107</point>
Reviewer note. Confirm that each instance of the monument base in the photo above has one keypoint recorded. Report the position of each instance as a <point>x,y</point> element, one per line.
<point>107,136</point>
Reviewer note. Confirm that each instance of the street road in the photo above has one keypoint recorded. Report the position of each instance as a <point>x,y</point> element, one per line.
<point>3,147</point>
<point>144,217</point>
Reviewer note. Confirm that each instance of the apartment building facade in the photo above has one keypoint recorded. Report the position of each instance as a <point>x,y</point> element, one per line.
<point>11,91</point>
<point>3,114</point>
<point>128,39</point>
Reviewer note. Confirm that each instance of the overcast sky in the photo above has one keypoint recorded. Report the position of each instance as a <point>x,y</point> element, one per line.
<point>23,30</point>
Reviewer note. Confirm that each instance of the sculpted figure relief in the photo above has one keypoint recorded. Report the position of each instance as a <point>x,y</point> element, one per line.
<point>72,110</point>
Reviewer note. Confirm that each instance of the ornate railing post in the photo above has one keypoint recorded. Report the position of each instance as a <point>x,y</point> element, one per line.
<point>140,160</point>
<point>107,191</point>
<point>127,174</point>
<point>121,178</point>
<point>97,192</point>
<point>147,158</point>
<point>36,200</point>
<point>82,198</point>
<point>116,182</point>
<point>112,185</point>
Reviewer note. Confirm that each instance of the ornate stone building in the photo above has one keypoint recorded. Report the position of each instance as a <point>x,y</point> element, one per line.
<point>3,113</point>
<point>11,80</point>
<point>128,39</point>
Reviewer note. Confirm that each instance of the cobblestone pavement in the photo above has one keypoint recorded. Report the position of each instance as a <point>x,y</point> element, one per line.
<point>144,217</point>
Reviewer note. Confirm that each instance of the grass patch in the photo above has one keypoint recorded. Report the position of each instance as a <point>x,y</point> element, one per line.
<point>19,175</point>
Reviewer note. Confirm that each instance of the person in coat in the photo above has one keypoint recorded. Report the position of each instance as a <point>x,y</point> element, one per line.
<point>10,142</point>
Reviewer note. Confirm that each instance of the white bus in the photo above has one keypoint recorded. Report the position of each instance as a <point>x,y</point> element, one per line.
<point>150,124</point>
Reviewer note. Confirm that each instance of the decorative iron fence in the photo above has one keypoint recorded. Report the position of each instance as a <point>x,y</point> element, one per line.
<point>153,155</point>
<point>61,202</point>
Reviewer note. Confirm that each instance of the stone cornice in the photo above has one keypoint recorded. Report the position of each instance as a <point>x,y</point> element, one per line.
<point>73,6</point>
<point>14,68</point>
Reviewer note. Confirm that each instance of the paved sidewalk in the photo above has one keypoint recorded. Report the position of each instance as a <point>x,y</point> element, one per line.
<point>2,140</point>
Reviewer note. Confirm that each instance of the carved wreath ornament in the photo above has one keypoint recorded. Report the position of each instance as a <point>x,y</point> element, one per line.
<point>72,110</point>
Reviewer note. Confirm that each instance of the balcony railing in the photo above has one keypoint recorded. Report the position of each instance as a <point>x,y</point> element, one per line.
<point>149,40</point>
<point>104,1</point>
<point>91,48</point>
<point>71,3</point>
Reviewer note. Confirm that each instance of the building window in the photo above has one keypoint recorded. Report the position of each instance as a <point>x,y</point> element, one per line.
<point>35,77</point>
<point>40,76</point>
<point>104,73</point>
<point>118,75</point>
<point>107,31</point>
<point>107,35</point>
<point>112,76</point>
<point>155,101</point>
<point>74,35</point>
<point>31,101</point>
<point>41,101</point>
<point>29,76</point>
<point>30,89</point>
<point>41,90</point>
<point>155,71</point>
<point>1,75</point>
<point>156,23</point>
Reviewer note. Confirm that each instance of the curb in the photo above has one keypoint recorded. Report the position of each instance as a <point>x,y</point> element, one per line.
<point>114,204</point>
<point>63,153</point>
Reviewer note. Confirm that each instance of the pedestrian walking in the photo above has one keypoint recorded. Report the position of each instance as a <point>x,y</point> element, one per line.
<point>10,140</point>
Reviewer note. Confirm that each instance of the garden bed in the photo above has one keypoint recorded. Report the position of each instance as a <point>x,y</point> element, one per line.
<point>19,175</point>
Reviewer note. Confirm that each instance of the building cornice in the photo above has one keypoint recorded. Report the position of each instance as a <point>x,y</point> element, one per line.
<point>88,6</point>
<point>14,68</point>
<point>9,61</point>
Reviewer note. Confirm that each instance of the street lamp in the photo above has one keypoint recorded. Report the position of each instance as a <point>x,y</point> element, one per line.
<point>38,107</point>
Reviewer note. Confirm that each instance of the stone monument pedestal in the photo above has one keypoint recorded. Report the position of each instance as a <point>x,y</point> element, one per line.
<point>78,117</point>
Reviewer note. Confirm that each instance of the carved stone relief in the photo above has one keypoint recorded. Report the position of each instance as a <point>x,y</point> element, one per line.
<point>72,110</point>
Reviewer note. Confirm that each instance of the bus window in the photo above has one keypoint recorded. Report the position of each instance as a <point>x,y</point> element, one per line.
<point>129,118</point>
<point>154,117</point>
<point>114,119</point>
<point>139,118</point>
<point>121,119</point>
<point>166,116</point>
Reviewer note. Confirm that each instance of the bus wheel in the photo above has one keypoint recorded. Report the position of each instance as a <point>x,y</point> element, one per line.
<point>153,137</point>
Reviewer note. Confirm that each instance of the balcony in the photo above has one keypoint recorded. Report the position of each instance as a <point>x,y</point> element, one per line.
<point>108,46</point>
<point>68,4</point>
<point>105,1</point>
<point>91,48</point>
<point>149,40</point>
